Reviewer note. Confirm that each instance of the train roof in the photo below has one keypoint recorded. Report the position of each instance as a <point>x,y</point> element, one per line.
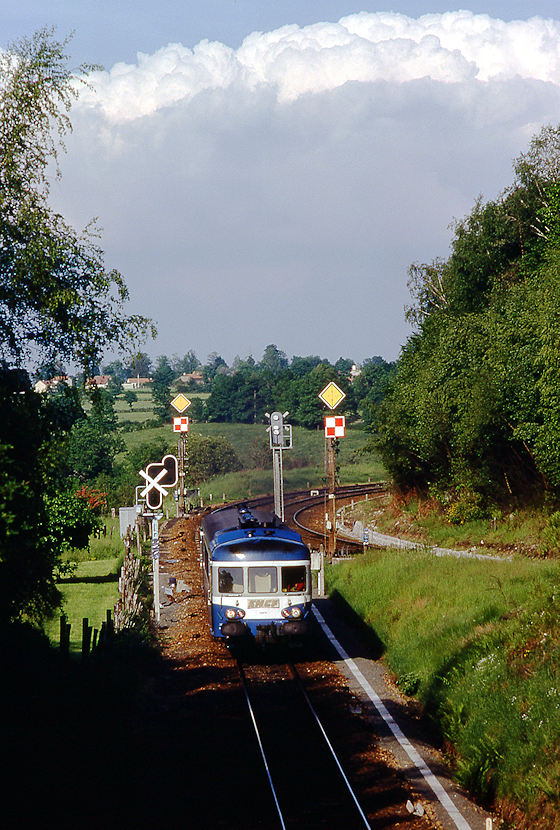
<point>242,522</point>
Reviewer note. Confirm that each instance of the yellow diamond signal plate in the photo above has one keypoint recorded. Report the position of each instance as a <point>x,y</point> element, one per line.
<point>180,403</point>
<point>332,395</point>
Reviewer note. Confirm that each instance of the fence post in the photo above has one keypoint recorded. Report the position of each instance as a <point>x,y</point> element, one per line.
<point>86,638</point>
<point>110,626</point>
<point>64,635</point>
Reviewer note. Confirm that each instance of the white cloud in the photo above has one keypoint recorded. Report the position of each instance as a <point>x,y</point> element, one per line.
<point>293,60</point>
<point>303,171</point>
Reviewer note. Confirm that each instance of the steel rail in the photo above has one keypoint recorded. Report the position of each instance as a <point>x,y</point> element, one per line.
<point>259,741</point>
<point>293,496</point>
<point>357,490</point>
<point>301,688</point>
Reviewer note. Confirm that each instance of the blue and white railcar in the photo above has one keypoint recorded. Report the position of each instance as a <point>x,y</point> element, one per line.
<point>256,575</point>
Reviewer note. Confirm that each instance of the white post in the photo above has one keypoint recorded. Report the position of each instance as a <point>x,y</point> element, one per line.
<point>155,562</point>
<point>321,577</point>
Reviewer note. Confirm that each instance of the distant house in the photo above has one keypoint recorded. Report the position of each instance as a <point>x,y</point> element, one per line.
<point>355,372</point>
<point>136,383</point>
<point>44,385</point>
<point>191,377</point>
<point>100,381</point>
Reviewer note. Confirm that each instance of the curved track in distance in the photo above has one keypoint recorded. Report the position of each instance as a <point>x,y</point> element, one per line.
<point>300,502</point>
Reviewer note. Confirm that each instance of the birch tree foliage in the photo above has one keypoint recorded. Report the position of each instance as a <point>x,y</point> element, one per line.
<point>56,295</point>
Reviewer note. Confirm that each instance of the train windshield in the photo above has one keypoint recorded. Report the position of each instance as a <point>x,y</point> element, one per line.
<point>230,580</point>
<point>294,579</point>
<point>263,580</point>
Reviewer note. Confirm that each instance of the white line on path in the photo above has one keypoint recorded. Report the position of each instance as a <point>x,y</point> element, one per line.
<point>413,754</point>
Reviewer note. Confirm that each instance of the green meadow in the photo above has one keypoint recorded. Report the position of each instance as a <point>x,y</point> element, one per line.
<point>478,643</point>
<point>92,587</point>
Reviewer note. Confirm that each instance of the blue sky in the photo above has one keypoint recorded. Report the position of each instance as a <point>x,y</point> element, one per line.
<point>258,184</point>
<point>108,31</point>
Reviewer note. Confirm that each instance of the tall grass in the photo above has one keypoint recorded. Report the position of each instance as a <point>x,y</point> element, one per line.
<point>479,643</point>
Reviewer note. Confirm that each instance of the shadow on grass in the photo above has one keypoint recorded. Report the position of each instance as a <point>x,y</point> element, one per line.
<point>366,633</point>
<point>92,580</point>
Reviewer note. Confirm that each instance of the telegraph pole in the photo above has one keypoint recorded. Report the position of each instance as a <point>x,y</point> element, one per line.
<point>155,562</point>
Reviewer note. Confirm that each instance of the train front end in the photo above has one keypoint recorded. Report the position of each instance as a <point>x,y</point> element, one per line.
<point>257,577</point>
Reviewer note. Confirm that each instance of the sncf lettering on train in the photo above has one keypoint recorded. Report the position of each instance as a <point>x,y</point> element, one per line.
<point>264,603</point>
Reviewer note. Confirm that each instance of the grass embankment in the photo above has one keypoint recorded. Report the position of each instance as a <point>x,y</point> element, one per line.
<point>92,588</point>
<point>478,642</point>
<point>530,531</point>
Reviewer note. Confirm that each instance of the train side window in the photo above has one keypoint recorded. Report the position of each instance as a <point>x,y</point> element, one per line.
<point>230,580</point>
<point>263,580</point>
<point>293,579</point>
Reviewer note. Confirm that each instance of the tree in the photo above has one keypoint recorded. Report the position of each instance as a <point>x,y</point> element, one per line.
<point>163,377</point>
<point>475,401</point>
<point>209,456</point>
<point>140,365</point>
<point>301,366</point>
<point>148,452</point>
<point>90,450</point>
<point>343,366</point>
<point>309,411</point>
<point>130,398</point>
<point>197,410</point>
<point>57,302</point>
<point>55,294</point>
<point>71,520</point>
<point>274,360</point>
<point>118,374</point>
<point>371,386</point>
<point>215,365</point>
<point>186,364</point>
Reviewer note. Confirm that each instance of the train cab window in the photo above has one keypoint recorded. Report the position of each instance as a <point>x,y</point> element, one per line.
<point>263,580</point>
<point>293,579</point>
<point>230,580</point>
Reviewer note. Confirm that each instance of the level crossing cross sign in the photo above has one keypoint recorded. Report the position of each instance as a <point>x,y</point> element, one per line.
<point>159,479</point>
<point>335,426</point>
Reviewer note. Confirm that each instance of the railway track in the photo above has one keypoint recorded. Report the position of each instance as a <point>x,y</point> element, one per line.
<point>297,503</point>
<point>307,783</point>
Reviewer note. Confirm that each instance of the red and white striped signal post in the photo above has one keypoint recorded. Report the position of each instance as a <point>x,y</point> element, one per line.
<point>331,396</point>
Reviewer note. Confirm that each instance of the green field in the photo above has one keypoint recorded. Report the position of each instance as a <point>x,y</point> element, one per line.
<point>92,588</point>
<point>90,592</point>
<point>304,465</point>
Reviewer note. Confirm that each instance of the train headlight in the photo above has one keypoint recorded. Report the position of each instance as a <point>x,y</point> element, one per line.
<point>235,613</point>
<point>292,612</point>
